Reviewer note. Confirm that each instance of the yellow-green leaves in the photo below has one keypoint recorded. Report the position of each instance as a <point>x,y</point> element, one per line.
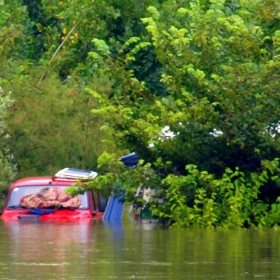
<point>101,46</point>
<point>276,44</point>
<point>183,11</point>
<point>198,74</point>
<point>94,55</point>
<point>154,12</point>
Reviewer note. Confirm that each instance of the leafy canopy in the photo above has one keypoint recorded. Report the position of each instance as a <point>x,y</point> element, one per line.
<point>218,90</point>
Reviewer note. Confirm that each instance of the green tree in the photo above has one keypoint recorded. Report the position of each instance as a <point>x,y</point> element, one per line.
<point>218,61</point>
<point>8,169</point>
<point>50,124</point>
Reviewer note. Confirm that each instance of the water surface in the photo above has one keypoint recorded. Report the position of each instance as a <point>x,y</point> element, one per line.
<point>134,250</point>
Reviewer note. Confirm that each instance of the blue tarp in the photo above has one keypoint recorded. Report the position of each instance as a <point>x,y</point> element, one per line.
<point>130,159</point>
<point>115,206</point>
<point>114,209</point>
<point>40,211</point>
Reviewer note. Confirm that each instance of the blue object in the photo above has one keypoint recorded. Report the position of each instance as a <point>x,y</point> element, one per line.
<point>130,159</point>
<point>40,211</point>
<point>114,209</point>
<point>115,205</point>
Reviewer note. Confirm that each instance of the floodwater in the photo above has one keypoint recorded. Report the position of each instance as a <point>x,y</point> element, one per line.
<point>134,250</point>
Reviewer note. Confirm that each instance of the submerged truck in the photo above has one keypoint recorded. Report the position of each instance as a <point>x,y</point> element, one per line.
<point>44,198</point>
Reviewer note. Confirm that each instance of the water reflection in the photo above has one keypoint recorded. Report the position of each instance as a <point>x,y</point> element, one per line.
<point>43,249</point>
<point>28,238</point>
<point>134,250</point>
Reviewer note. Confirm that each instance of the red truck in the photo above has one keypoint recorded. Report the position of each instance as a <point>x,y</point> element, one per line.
<point>44,198</point>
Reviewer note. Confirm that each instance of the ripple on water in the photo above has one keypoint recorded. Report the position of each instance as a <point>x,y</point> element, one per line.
<point>39,264</point>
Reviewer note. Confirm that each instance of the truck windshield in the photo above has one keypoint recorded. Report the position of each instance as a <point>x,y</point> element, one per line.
<point>45,197</point>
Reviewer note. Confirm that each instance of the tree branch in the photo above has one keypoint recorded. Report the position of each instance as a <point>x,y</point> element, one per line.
<point>55,53</point>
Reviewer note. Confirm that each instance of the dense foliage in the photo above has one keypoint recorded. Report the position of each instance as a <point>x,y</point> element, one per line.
<point>50,124</point>
<point>192,86</point>
<point>8,169</point>
<point>218,65</point>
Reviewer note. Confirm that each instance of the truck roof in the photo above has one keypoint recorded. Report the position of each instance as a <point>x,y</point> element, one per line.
<point>41,181</point>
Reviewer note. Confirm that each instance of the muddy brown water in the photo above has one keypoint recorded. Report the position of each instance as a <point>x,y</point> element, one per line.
<point>134,250</point>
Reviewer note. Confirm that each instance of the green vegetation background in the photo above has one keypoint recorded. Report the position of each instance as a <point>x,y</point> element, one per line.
<point>85,82</point>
